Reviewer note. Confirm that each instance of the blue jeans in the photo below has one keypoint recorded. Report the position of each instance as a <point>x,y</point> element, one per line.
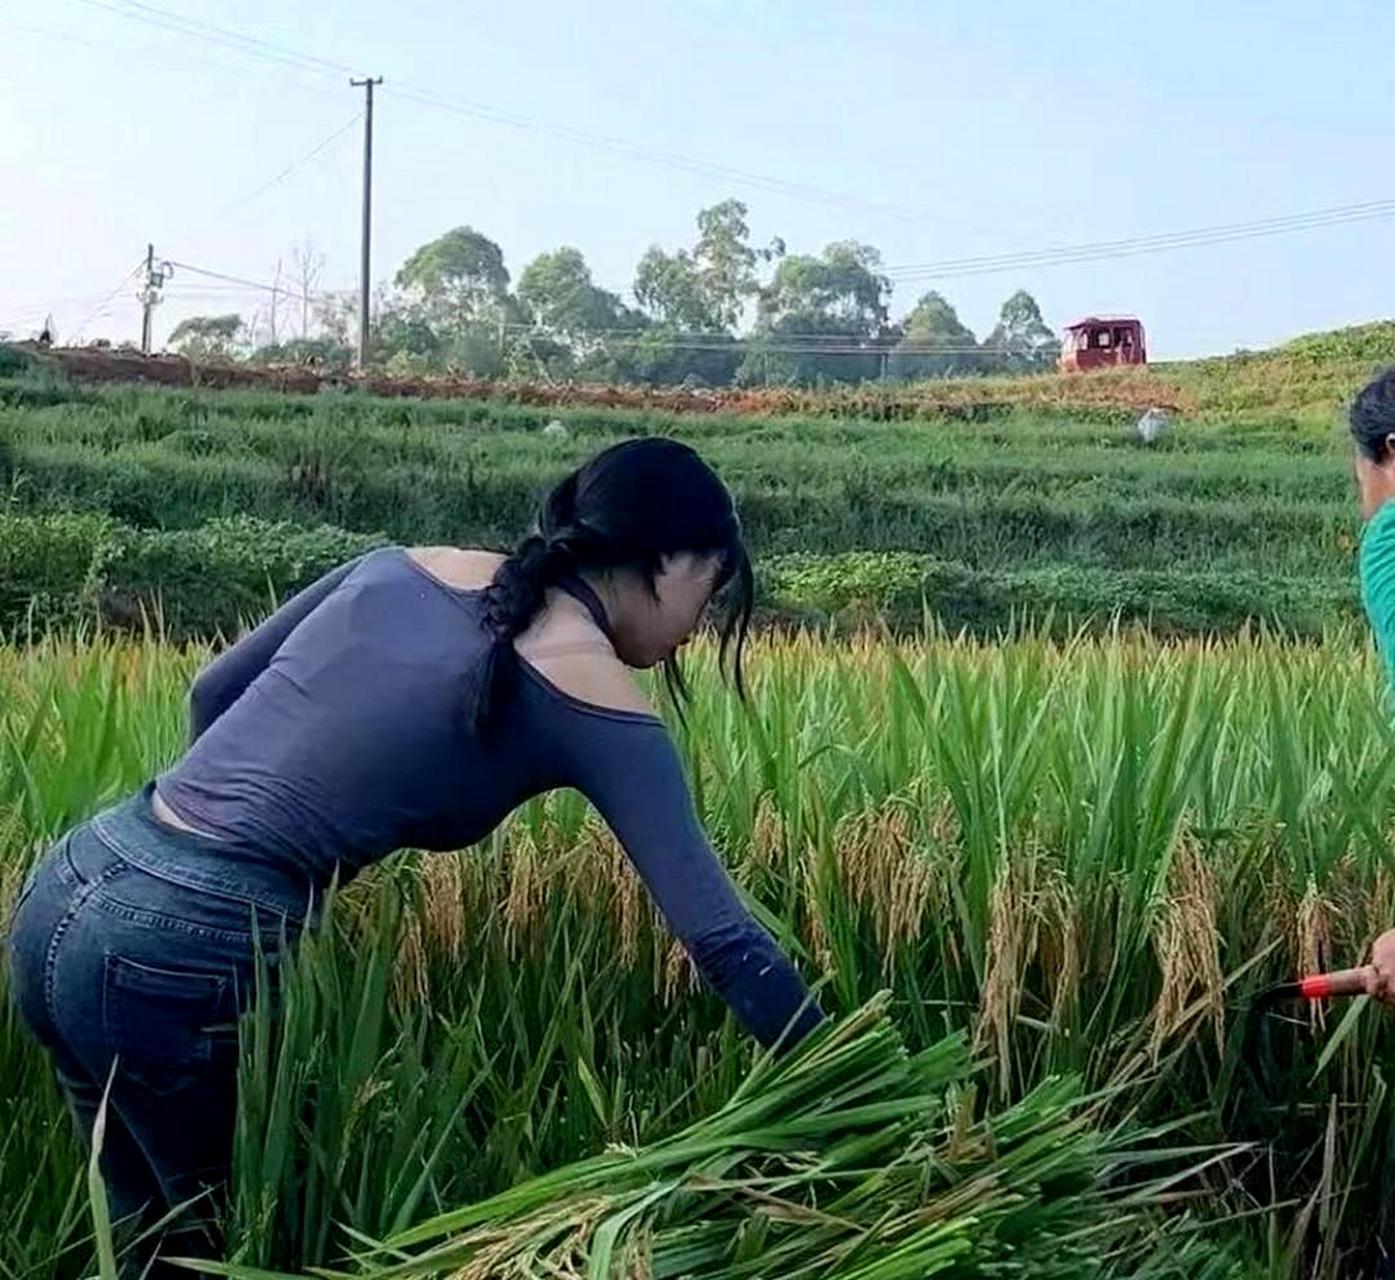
<point>132,944</point>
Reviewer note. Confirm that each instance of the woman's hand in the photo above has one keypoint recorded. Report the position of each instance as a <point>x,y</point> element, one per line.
<point>1380,972</point>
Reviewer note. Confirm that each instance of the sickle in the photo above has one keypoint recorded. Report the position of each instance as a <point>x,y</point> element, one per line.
<point>1319,986</point>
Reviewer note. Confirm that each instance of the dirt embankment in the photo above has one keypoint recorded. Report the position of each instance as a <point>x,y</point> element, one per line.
<point>968,397</point>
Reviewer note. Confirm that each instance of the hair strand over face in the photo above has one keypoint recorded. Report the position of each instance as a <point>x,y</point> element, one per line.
<point>630,507</point>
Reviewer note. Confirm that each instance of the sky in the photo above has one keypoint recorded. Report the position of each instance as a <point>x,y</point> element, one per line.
<point>932,130</point>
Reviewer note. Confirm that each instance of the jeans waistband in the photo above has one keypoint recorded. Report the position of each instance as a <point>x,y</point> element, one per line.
<point>131,831</point>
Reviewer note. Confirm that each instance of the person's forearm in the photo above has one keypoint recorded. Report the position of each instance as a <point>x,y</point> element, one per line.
<point>750,973</point>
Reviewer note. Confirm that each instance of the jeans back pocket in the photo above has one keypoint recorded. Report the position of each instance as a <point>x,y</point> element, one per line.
<point>167,1026</point>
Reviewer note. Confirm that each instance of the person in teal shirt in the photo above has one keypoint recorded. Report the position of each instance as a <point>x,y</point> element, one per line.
<point>1373,430</point>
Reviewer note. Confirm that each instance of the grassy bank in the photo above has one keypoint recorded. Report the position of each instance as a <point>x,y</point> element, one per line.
<point>1222,523</point>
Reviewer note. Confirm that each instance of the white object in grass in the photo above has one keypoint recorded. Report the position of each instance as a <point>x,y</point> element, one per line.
<point>1152,424</point>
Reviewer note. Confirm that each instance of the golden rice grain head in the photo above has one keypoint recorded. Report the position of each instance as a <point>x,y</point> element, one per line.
<point>524,895</point>
<point>1060,947</point>
<point>446,904</point>
<point>1186,942</point>
<point>680,973</point>
<point>767,833</point>
<point>411,985</point>
<point>1011,942</point>
<point>816,933</point>
<point>886,875</point>
<point>621,889</point>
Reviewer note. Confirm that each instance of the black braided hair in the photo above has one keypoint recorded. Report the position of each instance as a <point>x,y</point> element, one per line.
<point>629,507</point>
<point>520,584</point>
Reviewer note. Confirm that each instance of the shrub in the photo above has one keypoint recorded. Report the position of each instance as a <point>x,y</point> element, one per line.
<point>50,567</point>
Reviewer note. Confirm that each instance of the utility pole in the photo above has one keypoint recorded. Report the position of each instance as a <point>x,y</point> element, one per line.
<point>155,278</point>
<point>367,86</point>
<point>147,301</point>
<point>275,302</point>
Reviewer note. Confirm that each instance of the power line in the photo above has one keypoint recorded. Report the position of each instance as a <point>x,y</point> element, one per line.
<point>229,287</point>
<point>100,308</point>
<point>285,173</point>
<point>265,48</point>
<point>686,334</point>
<point>216,293</point>
<point>184,63</point>
<point>39,308</point>
<point>166,20</point>
<point>232,287</point>
<point>946,269</point>
<point>216,290</point>
<point>643,152</point>
<point>953,268</point>
<point>275,290</point>
<point>1080,254</point>
<point>741,346</point>
<point>253,284</point>
<point>220,301</point>
<point>1280,221</point>
<point>790,344</point>
<point>285,56</point>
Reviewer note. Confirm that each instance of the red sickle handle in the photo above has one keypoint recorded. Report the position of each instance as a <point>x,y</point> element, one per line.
<point>1343,982</point>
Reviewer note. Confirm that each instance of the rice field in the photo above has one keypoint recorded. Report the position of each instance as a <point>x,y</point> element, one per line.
<point>1067,866</point>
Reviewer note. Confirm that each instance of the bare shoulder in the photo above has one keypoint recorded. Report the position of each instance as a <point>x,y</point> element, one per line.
<point>457,567</point>
<point>570,652</point>
<point>596,678</point>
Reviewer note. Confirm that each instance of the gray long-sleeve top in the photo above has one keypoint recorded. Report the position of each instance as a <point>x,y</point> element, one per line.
<point>336,732</point>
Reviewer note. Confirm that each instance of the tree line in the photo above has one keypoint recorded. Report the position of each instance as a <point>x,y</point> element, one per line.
<point>721,312</point>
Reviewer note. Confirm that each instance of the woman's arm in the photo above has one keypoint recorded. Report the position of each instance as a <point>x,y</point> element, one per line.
<point>628,768</point>
<point>224,680</point>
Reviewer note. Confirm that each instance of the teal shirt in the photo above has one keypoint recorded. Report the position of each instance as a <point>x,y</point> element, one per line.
<point>1377,570</point>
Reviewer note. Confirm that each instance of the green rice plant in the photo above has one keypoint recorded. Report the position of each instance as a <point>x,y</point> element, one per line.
<point>850,1157</point>
<point>1081,857</point>
<point>45,1229</point>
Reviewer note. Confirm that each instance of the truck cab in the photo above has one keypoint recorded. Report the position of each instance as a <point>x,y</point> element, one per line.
<point>1102,342</point>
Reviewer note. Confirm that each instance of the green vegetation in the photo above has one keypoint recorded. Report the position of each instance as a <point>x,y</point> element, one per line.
<point>977,518</point>
<point>908,1183</point>
<point>72,568</point>
<point>908,591</point>
<point>1083,858</point>
<point>820,319</point>
<point>1071,859</point>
